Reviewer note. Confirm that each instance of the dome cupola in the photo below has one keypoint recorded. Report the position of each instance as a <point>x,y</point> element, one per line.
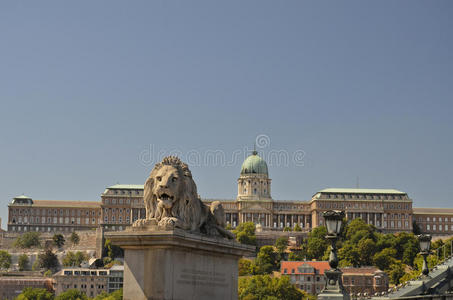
<point>254,164</point>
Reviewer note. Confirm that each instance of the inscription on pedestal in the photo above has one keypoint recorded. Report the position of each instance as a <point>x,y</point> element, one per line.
<point>202,278</point>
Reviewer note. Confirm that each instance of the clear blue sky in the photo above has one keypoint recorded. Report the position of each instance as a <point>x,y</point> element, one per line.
<point>362,88</point>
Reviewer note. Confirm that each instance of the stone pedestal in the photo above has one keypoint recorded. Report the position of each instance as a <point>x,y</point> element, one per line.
<point>176,265</point>
<point>334,288</point>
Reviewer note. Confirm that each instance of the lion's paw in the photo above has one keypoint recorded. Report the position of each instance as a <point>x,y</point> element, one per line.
<point>141,223</point>
<point>169,223</point>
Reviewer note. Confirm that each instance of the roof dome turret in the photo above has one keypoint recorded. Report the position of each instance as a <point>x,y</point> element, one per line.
<point>254,164</point>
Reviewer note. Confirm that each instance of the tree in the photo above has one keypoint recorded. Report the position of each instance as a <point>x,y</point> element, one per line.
<point>35,294</point>
<point>58,240</point>
<point>297,227</point>
<point>384,259</point>
<point>316,248</point>
<point>263,287</point>
<point>116,295</point>
<point>317,243</point>
<point>349,255</point>
<point>396,272</point>
<point>357,229</point>
<point>5,260</point>
<point>72,294</point>
<point>47,260</point>
<point>245,233</point>
<point>111,250</point>
<point>281,243</point>
<point>367,249</point>
<point>266,260</point>
<point>297,255</point>
<point>74,259</point>
<point>74,238</point>
<point>27,240</point>
<point>23,262</point>
<point>244,266</point>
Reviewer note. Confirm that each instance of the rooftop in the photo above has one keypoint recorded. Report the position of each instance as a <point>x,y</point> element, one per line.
<point>362,191</point>
<point>434,211</point>
<point>319,266</point>
<point>360,271</point>
<point>65,203</point>
<point>126,187</point>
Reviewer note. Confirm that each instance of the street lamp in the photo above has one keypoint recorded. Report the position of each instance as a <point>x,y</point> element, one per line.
<point>425,244</point>
<point>334,287</point>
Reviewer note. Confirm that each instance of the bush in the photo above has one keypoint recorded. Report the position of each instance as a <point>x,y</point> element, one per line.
<point>265,287</point>
<point>58,240</point>
<point>5,260</point>
<point>23,262</point>
<point>245,233</point>
<point>74,259</point>
<point>28,240</point>
<point>72,294</point>
<point>74,238</point>
<point>47,260</point>
<point>35,294</point>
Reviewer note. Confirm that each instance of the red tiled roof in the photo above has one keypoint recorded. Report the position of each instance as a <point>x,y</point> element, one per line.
<point>360,271</point>
<point>319,266</point>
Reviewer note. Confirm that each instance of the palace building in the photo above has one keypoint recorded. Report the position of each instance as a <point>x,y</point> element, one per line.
<point>387,209</point>
<point>26,214</point>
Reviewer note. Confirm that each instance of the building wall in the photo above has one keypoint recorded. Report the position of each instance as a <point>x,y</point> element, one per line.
<point>53,216</point>
<point>89,281</point>
<point>11,287</point>
<point>121,205</point>
<point>437,221</point>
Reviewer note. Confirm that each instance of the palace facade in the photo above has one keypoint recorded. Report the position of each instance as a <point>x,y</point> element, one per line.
<point>388,209</point>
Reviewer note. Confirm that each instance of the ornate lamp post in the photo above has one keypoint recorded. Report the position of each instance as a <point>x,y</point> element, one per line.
<point>425,244</point>
<point>334,287</point>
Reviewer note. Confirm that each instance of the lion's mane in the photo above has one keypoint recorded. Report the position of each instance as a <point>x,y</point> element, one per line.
<point>188,207</point>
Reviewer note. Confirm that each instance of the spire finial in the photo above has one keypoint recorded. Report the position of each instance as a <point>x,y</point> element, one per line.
<point>254,149</point>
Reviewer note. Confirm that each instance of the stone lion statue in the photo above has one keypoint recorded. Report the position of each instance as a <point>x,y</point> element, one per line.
<point>172,201</point>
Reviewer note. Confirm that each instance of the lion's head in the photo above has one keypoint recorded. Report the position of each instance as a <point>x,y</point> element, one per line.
<point>170,192</point>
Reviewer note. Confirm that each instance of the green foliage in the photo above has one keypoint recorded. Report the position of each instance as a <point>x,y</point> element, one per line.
<point>74,259</point>
<point>58,240</point>
<point>23,262</point>
<point>244,266</point>
<point>35,294</point>
<point>5,260</point>
<point>264,287</point>
<point>287,228</point>
<point>297,227</point>
<point>116,295</point>
<point>245,233</point>
<point>367,249</point>
<point>384,259</point>
<point>281,243</point>
<point>296,256</point>
<point>228,227</point>
<point>112,263</point>
<point>72,294</point>
<point>266,260</point>
<point>396,272</point>
<point>48,273</point>
<point>46,260</point>
<point>112,251</point>
<point>27,240</point>
<point>316,247</point>
<point>74,238</point>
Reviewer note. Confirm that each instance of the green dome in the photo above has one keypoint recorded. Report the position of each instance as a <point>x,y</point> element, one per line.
<point>254,165</point>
